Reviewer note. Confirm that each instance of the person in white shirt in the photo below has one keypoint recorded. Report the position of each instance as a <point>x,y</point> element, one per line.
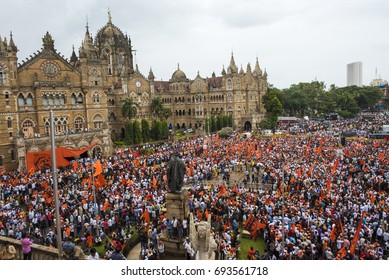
<point>93,254</point>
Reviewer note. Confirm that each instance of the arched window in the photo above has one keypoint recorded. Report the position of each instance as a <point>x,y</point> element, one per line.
<point>9,122</point>
<point>112,117</point>
<point>28,128</point>
<point>98,121</point>
<point>229,84</point>
<point>74,99</point>
<point>2,75</point>
<point>96,98</point>
<point>78,124</point>
<point>21,101</point>
<point>6,99</point>
<point>80,99</point>
<point>29,99</point>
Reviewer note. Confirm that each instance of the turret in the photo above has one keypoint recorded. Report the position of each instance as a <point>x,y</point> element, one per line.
<point>151,76</point>
<point>257,70</point>
<point>48,42</point>
<point>232,69</point>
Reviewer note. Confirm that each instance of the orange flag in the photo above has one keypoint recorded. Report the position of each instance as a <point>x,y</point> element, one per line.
<point>356,235</point>
<point>222,191</point>
<point>299,173</point>
<point>145,216</point>
<point>342,252</point>
<point>98,168</point>
<point>89,182</point>
<point>100,181</point>
<point>154,182</point>
<point>329,184</point>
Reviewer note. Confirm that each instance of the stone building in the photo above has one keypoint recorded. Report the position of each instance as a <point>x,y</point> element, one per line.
<point>85,94</point>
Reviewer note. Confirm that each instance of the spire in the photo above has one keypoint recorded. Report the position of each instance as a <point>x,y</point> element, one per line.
<point>223,71</point>
<point>265,73</point>
<point>109,16</point>
<point>48,42</point>
<point>151,75</point>
<point>73,57</point>
<point>232,69</point>
<point>178,66</point>
<point>257,70</point>
<point>241,70</point>
<point>1,44</point>
<point>12,45</point>
<point>248,70</point>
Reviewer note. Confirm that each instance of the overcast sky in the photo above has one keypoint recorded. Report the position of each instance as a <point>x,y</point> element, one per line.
<point>295,40</point>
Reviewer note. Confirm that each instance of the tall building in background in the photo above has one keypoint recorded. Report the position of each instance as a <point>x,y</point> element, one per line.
<point>354,74</point>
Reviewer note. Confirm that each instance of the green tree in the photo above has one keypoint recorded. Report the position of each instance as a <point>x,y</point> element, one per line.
<point>166,113</point>
<point>212,124</point>
<point>219,122</point>
<point>137,132</point>
<point>206,125</point>
<point>164,130</point>
<point>129,108</point>
<point>129,133</point>
<point>230,122</point>
<point>275,109</point>
<point>156,130</point>
<point>156,106</point>
<point>145,130</point>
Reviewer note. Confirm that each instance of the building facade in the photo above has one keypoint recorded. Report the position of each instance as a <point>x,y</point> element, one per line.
<point>354,74</point>
<point>85,93</point>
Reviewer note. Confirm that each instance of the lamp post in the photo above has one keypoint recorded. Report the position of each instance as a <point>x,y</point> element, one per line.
<point>55,185</point>
<point>282,210</point>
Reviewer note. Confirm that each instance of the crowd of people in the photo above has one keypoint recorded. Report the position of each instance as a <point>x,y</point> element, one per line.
<point>309,197</point>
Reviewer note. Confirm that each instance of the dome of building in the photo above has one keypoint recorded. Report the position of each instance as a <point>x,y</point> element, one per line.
<point>178,76</point>
<point>111,35</point>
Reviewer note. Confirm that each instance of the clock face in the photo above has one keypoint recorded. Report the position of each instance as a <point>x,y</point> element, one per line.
<point>50,69</point>
<point>138,84</point>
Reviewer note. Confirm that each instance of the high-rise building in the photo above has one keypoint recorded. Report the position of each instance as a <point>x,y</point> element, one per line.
<point>86,91</point>
<point>354,74</point>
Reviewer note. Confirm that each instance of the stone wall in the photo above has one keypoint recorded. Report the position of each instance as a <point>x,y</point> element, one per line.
<point>39,252</point>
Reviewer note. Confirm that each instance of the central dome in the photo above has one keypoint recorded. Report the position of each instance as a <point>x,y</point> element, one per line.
<point>178,76</point>
<point>111,35</point>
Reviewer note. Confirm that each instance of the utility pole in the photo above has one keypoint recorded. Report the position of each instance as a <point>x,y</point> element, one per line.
<point>55,185</point>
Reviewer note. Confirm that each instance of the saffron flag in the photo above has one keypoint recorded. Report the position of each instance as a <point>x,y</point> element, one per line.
<point>98,168</point>
<point>145,216</point>
<point>100,181</point>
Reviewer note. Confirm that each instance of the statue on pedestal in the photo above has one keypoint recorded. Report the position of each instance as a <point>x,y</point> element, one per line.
<point>175,174</point>
<point>201,239</point>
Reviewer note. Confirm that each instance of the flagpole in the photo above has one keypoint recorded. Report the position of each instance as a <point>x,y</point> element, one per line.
<point>282,211</point>
<point>55,185</point>
<point>94,198</point>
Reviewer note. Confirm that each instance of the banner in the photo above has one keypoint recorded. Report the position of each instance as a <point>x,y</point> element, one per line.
<point>42,160</point>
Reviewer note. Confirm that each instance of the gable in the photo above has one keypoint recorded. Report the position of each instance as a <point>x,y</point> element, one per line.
<point>48,67</point>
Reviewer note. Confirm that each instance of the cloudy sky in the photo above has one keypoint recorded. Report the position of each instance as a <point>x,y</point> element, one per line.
<point>295,40</point>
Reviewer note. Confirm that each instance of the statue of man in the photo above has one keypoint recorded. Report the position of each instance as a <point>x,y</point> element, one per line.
<point>175,174</point>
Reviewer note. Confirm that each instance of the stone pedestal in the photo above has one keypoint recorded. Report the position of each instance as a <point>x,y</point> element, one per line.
<point>176,206</point>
